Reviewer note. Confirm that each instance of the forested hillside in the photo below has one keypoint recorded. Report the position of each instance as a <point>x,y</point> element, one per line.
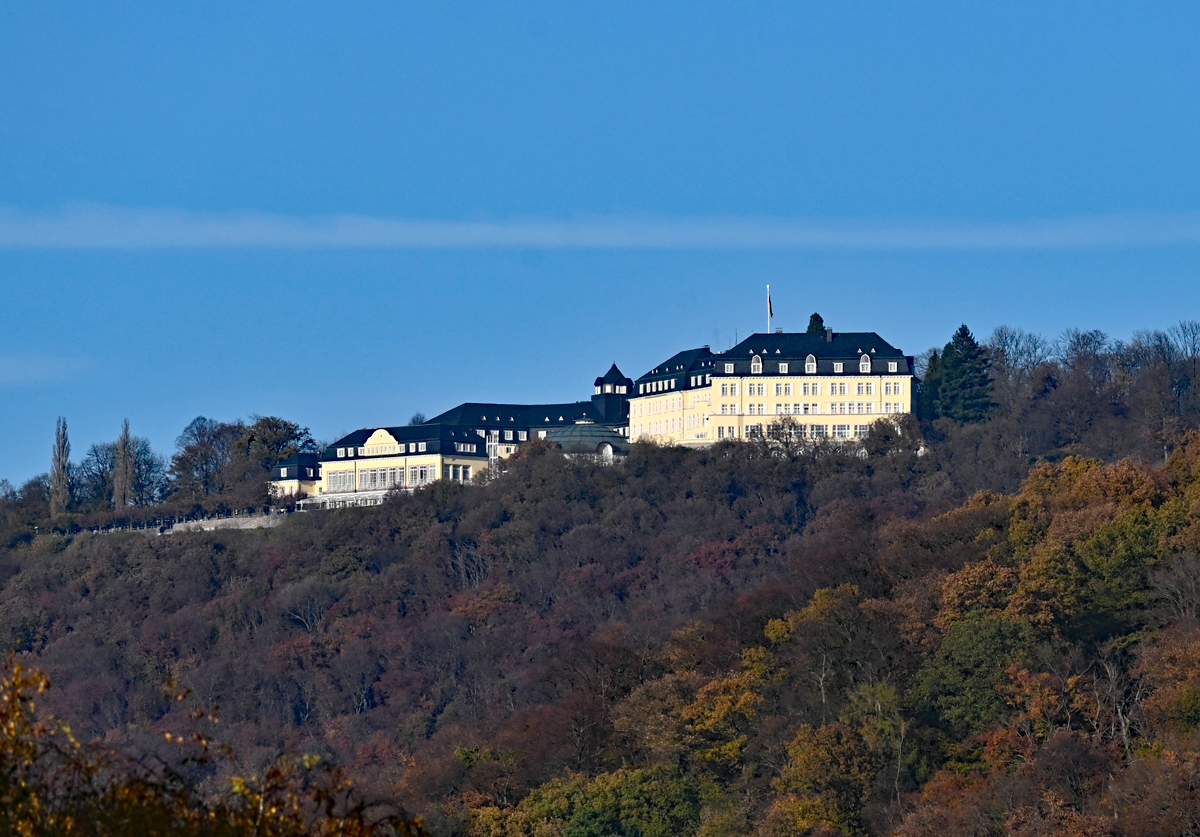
<point>983,623</point>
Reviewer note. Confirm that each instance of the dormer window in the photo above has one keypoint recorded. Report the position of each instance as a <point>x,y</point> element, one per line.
<point>864,364</point>
<point>783,369</point>
<point>756,366</point>
<point>729,369</point>
<point>891,366</point>
<point>838,367</point>
<point>810,365</point>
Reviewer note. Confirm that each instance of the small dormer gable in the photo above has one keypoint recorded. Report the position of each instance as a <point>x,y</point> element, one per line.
<point>381,442</point>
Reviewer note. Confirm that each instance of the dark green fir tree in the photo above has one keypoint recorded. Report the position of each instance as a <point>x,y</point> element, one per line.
<point>931,387</point>
<point>816,325</point>
<point>966,388</point>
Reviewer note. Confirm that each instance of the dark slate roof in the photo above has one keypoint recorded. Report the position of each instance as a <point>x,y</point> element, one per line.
<point>794,348</point>
<point>613,376</point>
<point>293,464</point>
<point>681,365</point>
<point>588,437</point>
<point>516,416</point>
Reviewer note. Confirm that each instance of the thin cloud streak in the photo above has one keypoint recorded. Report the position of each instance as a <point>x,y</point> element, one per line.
<point>16,371</point>
<point>92,226</point>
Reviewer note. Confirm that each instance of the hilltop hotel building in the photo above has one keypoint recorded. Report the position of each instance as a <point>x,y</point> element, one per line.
<point>821,386</point>
<point>826,386</point>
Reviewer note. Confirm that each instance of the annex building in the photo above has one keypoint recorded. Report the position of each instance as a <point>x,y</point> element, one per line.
<point>361,467</point>
<point>824,386</point>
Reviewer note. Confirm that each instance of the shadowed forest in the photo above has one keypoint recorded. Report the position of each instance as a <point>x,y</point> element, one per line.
<point>981,620</point>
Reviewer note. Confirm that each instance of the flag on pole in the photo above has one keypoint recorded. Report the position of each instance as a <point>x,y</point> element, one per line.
<point>770,310</point>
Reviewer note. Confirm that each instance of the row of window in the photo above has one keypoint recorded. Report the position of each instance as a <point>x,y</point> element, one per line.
<point>655,428</point>
<point>833,409</point>
<point>283,472</point>
<point>647,408</point>
<point>521,435</point>
<point>814,388</point>
<point>810,366</point>
<point>656,386</point>
<point>799,431</point>
<point>378,450</point>
<point>383,478</point>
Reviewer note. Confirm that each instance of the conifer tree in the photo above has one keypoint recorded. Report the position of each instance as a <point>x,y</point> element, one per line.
<point>816,324</point>
<point>931,387</point>
<point>966,388</point>
<point>60,470</point>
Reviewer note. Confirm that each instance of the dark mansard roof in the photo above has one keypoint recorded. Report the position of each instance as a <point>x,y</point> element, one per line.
<point>844,347</point>
<point>682,366</point>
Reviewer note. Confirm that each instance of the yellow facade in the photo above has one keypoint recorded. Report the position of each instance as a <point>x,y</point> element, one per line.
<point>382,463</point>
<point>293,488</point>
<point>819,407</point>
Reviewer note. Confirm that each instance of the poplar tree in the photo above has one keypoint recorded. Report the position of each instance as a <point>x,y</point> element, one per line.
<point>60,470</point>
<point>966,388</point>
<point>123,469</point>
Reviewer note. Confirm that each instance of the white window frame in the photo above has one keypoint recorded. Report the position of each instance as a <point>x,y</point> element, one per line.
<point>783,369</point>
<point>810,365</point>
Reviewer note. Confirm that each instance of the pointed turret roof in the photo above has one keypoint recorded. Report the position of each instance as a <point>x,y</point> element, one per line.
<point>613,376</point>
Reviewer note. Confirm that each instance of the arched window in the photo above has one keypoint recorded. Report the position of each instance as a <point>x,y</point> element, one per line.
<point>810,365</point>
<point>756,366</point>
<point>864,364</point>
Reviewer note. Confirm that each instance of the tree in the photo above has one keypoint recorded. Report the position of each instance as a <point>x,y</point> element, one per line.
<point>1014,355</point>
<point>827,779</point>
<point>931,388</point>
<point>60,470</point>
<point>122,480</point>
<point>203,451</point>
<point>816,325</point>
<point>959,682</point>
<point>256,450</point>
<point>966,389</point>
<point>96,476</point>
<point>417,418</point>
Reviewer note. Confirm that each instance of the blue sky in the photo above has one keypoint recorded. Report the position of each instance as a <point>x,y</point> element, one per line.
<point>344,213</point>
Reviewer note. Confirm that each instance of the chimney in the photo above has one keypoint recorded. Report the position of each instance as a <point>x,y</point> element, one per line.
<point>829,335</point>
<point>779,331</point>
